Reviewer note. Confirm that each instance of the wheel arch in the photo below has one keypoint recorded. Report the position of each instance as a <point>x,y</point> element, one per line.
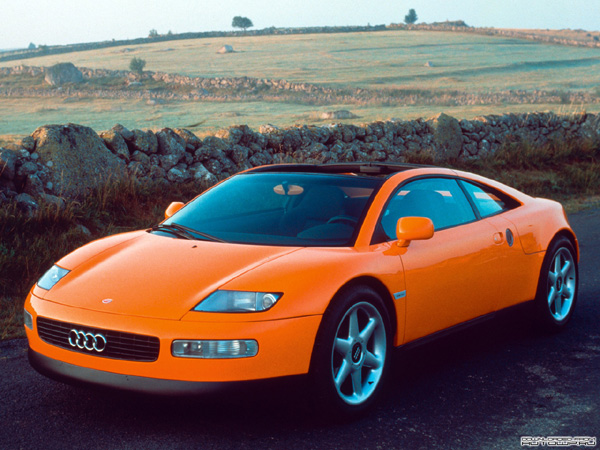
<point>383,292</point>
<point>567,233</point>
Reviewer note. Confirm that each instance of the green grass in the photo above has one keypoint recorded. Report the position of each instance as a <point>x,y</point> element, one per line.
<point>30,245</point>
<point>392,58</point>
<point>376,60</point>
<point>26,114</point>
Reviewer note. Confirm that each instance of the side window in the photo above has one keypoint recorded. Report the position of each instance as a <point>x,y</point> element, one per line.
<point>440,199</point>
<point>488,201</point>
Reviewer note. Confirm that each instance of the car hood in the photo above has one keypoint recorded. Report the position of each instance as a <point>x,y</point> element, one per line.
<point>156,276</point>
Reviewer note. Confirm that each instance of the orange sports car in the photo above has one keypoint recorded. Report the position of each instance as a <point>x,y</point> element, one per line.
<point>316,270</point>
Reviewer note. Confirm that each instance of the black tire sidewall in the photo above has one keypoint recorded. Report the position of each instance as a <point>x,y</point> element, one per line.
<point>326,399</point>
<point>543,314</point>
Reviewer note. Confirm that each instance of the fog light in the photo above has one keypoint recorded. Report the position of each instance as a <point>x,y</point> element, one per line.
<point>237,348</point>
<point>28,319</point>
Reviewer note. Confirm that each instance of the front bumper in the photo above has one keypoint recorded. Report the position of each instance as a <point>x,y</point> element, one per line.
<point>284,349</point>
<point>72,374</point>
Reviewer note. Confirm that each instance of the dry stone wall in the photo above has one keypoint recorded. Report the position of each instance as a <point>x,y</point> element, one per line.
<point>186,88</point>
<point>60,162</point>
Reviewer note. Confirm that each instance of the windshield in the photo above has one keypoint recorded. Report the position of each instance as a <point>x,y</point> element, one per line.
<point>299,209</point>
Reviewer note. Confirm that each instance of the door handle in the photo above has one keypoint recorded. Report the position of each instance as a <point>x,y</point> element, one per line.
<point>498,238</point>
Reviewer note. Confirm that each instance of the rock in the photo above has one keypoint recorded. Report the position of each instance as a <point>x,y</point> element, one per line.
<point>447,136</point>
<point>144,141</point>
<point>53,200</point>
<point>233,134</point>
<point>33,186</point>
<point>26,203</point>
<point>24,154</point>
<point>80,159</point>
<point>202,176</point>
<point>268,128</point>
<point>136,169</point>
<point>338,115</point>
<point>170,143</point>
<point>124,132</point>
<point>258,159</point>
<point>176,175</point>
<point>192,142</point>
<point>157,172</point>
<point>141,157</point>
<point>225,49</point>
<point>8,164</point>
<point>590,129</point>
<point>239,155</point>
<point>62,73</point>
<point>167,162</point>
<point>27,168</point>
<point>28,143</point>
<point>116,143</point>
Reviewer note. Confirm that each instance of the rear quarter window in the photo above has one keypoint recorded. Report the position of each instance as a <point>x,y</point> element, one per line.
<point>488,201</point>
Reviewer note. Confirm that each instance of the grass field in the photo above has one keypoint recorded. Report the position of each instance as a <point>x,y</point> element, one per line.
<point>392,59</point>
<point>24,115</point>
<point>377,59</point>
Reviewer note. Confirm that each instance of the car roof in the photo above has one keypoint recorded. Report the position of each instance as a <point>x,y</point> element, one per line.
<point>358,168</point>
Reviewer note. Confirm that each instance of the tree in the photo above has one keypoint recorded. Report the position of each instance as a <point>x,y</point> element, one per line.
<point>241,22</point>
<point>137,65</point>
<point>153,33</point>
<point>411,17</point>
<point>31,46</point>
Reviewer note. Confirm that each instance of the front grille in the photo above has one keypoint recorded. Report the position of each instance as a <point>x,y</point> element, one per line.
<point>127,346</point>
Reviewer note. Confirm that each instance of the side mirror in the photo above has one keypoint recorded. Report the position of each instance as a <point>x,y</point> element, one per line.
<point>413,229</point>
<point>173,208</point>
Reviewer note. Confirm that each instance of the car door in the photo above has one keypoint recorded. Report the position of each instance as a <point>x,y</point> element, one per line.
<point>450,278</point>
<point>518,270</point>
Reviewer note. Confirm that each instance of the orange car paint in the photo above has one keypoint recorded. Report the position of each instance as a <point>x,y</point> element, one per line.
<point>425,284</point>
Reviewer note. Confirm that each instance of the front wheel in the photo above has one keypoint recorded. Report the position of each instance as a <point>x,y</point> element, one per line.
<point>557,288</point>
<point>351,353</point>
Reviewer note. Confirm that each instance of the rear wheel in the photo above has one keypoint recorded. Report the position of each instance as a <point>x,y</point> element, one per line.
<point>557,287</point>
<point>351,353</point>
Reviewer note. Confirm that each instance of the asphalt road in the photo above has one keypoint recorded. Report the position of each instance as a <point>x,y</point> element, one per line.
<point>482,388</point>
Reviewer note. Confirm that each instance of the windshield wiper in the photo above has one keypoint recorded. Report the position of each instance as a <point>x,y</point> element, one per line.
<point>184,232</point>
<point>174,230</point>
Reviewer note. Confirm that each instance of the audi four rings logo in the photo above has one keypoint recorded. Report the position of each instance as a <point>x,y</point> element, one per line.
<point>88,341</point>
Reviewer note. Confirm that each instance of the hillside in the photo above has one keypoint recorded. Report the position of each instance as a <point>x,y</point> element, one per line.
<point>374,75</point>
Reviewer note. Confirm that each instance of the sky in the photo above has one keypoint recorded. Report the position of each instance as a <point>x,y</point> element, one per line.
<point>57,22</point>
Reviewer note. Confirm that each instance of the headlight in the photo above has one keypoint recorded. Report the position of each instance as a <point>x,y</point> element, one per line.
<point>238,301</point>
<point>53,276</point>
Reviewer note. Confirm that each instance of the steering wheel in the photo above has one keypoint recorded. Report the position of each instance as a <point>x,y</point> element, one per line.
<point>349,220</point>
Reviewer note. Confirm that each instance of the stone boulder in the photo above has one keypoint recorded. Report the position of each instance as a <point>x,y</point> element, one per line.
<point>62,73</point>
<point>115,142</point>
<point>338,115</point>
<point>225,49</point>
<point>447,136</point>
<point>8,164</point>
<point>79,158</point>
<point>143,141</point>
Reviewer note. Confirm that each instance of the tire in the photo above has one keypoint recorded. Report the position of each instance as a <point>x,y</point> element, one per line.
<point>350,358</point>
<point>558,286</point>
